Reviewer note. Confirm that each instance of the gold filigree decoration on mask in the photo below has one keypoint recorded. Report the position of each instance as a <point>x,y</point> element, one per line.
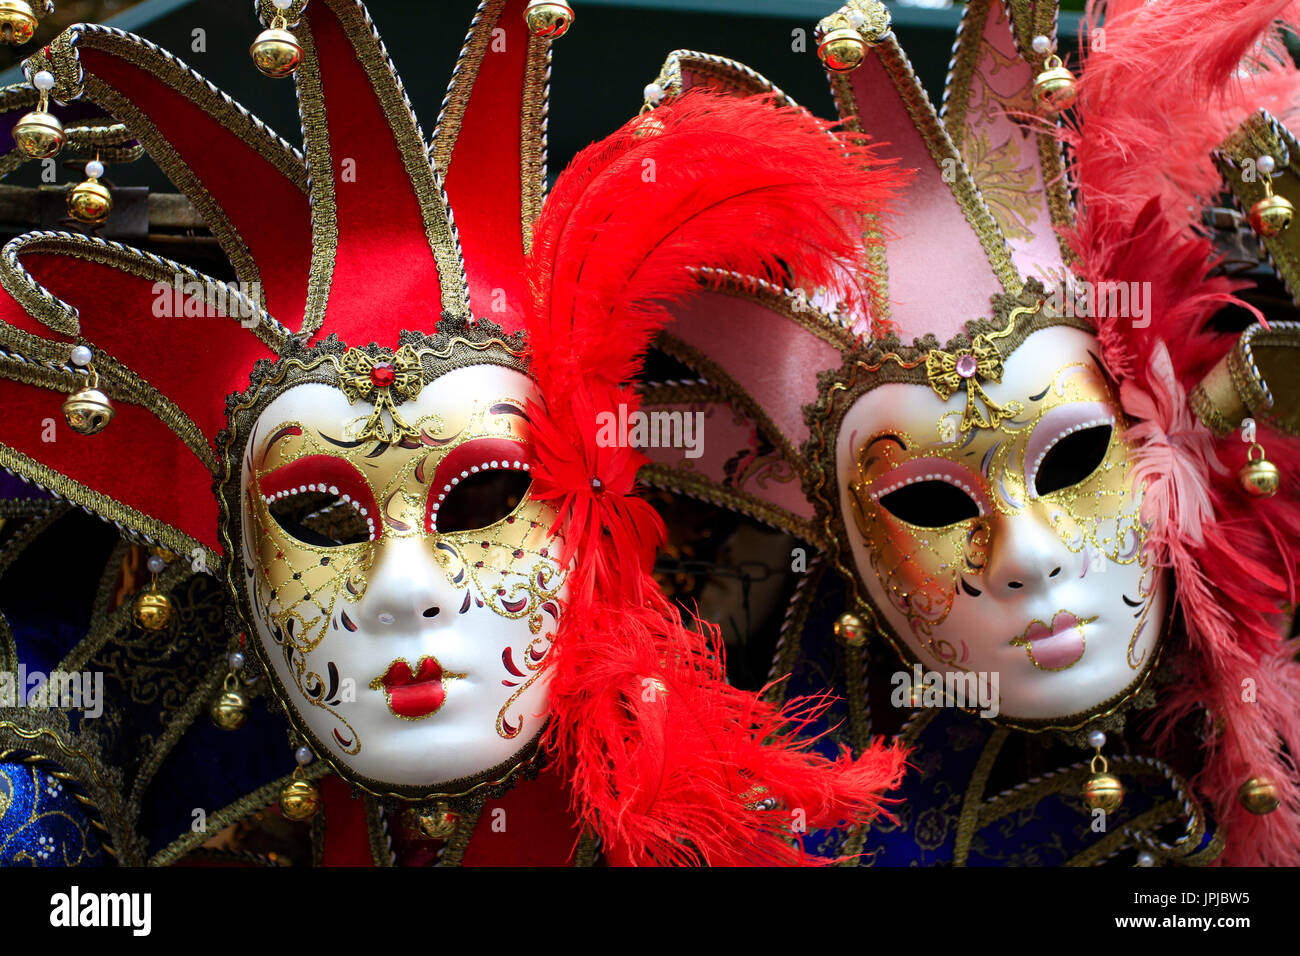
<point>385,381</point>
<point>949,371</point>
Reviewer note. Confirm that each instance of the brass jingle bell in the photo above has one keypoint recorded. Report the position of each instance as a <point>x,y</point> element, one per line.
<point>437,824</point>
<point>39,135</point>
<point>1259,795</point>
<point>299,800</point>
<point>276,52</point>
<point>548,18</point>
<point>1104,792</point>
<point>90,202</point>
<point>17,22</point>
<point>851,630</point>
<point>1258,476</point>
<point>1055,88</point>
<point>1271,215</point>
<point>230,710</point>
<point>152,610</point>
<point>88,411</point>
<point>842,50</point>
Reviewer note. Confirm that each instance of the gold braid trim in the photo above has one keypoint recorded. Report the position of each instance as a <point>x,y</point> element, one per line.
<point>117,380</point>
<point>456,100</point>
<point>320,165</point>
<point>232,813</point>
<point>532,136</point>
<point>72,82</point>
<point>381,842</point>
<point>970,804</point>
<point>698,486</point>
<point>355,21</point>
<point>731,75</point>
<point>125,518</point>
<point>786,653</point>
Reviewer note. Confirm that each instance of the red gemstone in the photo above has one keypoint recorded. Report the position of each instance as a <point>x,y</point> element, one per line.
<point>382,375</point>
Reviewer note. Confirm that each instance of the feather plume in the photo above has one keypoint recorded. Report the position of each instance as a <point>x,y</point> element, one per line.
<point>1142,163</point>
<point>667,760</point>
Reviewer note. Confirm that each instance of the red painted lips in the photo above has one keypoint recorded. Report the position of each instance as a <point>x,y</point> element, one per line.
<point>414,695</point>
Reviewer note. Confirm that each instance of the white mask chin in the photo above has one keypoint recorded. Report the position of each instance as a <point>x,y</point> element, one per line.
<point>1014,550</point>
<point>406,640</point>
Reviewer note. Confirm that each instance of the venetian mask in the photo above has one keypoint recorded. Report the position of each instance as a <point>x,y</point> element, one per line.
<point>995,525</point>
<point>396,577</point>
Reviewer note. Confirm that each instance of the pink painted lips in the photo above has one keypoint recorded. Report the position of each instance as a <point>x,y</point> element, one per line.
<point>1055,646</point>
<point>417,694</point>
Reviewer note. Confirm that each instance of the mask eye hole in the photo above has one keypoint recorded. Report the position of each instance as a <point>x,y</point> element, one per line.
<point>930,504</point>
<point>321,519</point>
<point>480,500</point>
<point>1073,458</point>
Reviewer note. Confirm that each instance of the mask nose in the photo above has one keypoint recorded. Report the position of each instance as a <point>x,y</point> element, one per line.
<point>1026,556</point>
<point>408,589</point>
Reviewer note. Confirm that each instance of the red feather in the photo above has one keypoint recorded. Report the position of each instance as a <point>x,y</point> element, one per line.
<point>667,760</point>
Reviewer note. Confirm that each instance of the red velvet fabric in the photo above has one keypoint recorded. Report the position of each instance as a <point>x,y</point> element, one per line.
<point>533,826</point>
<point>484,176</point>
<point>137,460</point>
<point>195,361</point>
<point>385,278</point>
<point>347,838</point>
<point>271,215</point>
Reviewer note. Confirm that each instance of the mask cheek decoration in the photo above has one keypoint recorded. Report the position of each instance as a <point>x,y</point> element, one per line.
<point>923,522</point>
<point>313,521</point>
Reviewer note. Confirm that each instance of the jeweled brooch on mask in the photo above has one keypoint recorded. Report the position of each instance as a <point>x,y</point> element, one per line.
<point>949,371</point>
<point>386,381</point>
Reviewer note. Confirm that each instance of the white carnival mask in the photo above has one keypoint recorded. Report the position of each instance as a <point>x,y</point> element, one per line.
<point>396,578</point>
<point>997,530</point>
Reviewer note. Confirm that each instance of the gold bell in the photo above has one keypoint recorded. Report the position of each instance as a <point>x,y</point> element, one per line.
<point>299,800</point>
<point>548,18</point>
<point>437,824</point>
<point>1055,88</point>
<point>1259,476</point>
<point>230,710</point>
<point>17,22</point>
<point>88,411</point>
<point>90,201</point>
<point>276,52</point>
<point>1271,215</point>
<point>842,49</point>
<point>1259,795</point>
<point>39,134</point>
<point>1103,791</point>
<point>152,610</point>
<point>851,630</point>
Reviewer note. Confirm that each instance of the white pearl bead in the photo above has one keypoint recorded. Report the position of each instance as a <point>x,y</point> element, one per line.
<point>155,564</point>
<point>304,756</point>
<point>856,20</point>
<point>654,94</point>
<point>1146,859</point>
<point>43,81</point>
<point>81,356</point>
<point>1042,44</point>
<point>282,4</point>
<point>236,659</point>
<point>94,169</point>
<point>1266,165</point>
<point>1097,739</point>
